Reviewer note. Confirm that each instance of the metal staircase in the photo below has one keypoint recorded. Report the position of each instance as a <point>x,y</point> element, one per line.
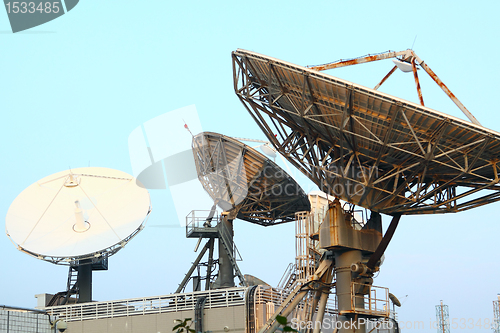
<point>288,279</point>
<point>62,297</point>
<point>72,284</point>
<point>72,278</point>
<point>322,276</point>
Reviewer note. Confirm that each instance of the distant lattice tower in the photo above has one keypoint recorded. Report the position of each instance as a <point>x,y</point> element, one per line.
<point>443,318</point>
<point>496,315</point>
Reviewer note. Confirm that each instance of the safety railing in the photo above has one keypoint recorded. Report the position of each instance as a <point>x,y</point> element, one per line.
<point>148,305</point>
<point>370,300</point>
<point>288,278</point>
<point>306,251</point>
<point>195,224</point>
<point>196,219</point>
<point>266,294</point>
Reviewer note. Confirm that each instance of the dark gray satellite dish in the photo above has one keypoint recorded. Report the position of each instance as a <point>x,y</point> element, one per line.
<point>247,185</point>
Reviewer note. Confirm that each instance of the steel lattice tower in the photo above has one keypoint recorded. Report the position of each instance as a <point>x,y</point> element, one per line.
<point>443,318</point>
<point>496,315</point>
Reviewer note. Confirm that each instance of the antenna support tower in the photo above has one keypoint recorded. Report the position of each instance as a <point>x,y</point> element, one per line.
<point>443,318</point>
<point>197,226</point>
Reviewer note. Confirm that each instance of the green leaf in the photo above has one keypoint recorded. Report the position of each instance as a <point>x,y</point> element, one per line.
<point>182,326</point>
<point>289,329</point>
<point>281,320</point>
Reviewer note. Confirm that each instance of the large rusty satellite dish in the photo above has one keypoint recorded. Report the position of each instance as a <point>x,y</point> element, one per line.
<point>366,147</point>
<point>239,178</point>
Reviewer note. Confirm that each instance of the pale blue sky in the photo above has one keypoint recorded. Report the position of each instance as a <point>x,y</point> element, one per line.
<point>72,90</point>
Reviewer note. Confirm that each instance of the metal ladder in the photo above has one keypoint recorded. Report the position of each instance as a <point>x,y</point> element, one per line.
<point>226,243</point>
<point>72,284</point>
<point>72,278</point>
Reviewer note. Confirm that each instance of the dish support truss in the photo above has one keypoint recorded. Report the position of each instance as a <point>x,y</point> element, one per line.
<point>409,57</point>
<point>366,147</point>
<point>94,257</point>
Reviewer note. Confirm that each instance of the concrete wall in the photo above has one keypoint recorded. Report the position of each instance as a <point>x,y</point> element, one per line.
<point>215,320</point>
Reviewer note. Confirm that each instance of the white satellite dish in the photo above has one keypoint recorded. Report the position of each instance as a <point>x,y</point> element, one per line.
<point>78,214</point>
<point>268,150</point>
<point>78,217</point>
<point>403,66</point>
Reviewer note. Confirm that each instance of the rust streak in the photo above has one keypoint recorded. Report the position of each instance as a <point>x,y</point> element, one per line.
<point>417,83</point>
<point>385,77</point>
<point>447,91</point>
<point>345,63</point>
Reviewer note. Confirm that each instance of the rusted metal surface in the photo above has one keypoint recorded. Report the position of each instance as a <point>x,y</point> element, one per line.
<point>361,60</point>
<point>446,90</point>
<point>417,83</point>
<point>338,233</point>
<point>407,54</point>
<point>366,147</point>
<point>386,77</point>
